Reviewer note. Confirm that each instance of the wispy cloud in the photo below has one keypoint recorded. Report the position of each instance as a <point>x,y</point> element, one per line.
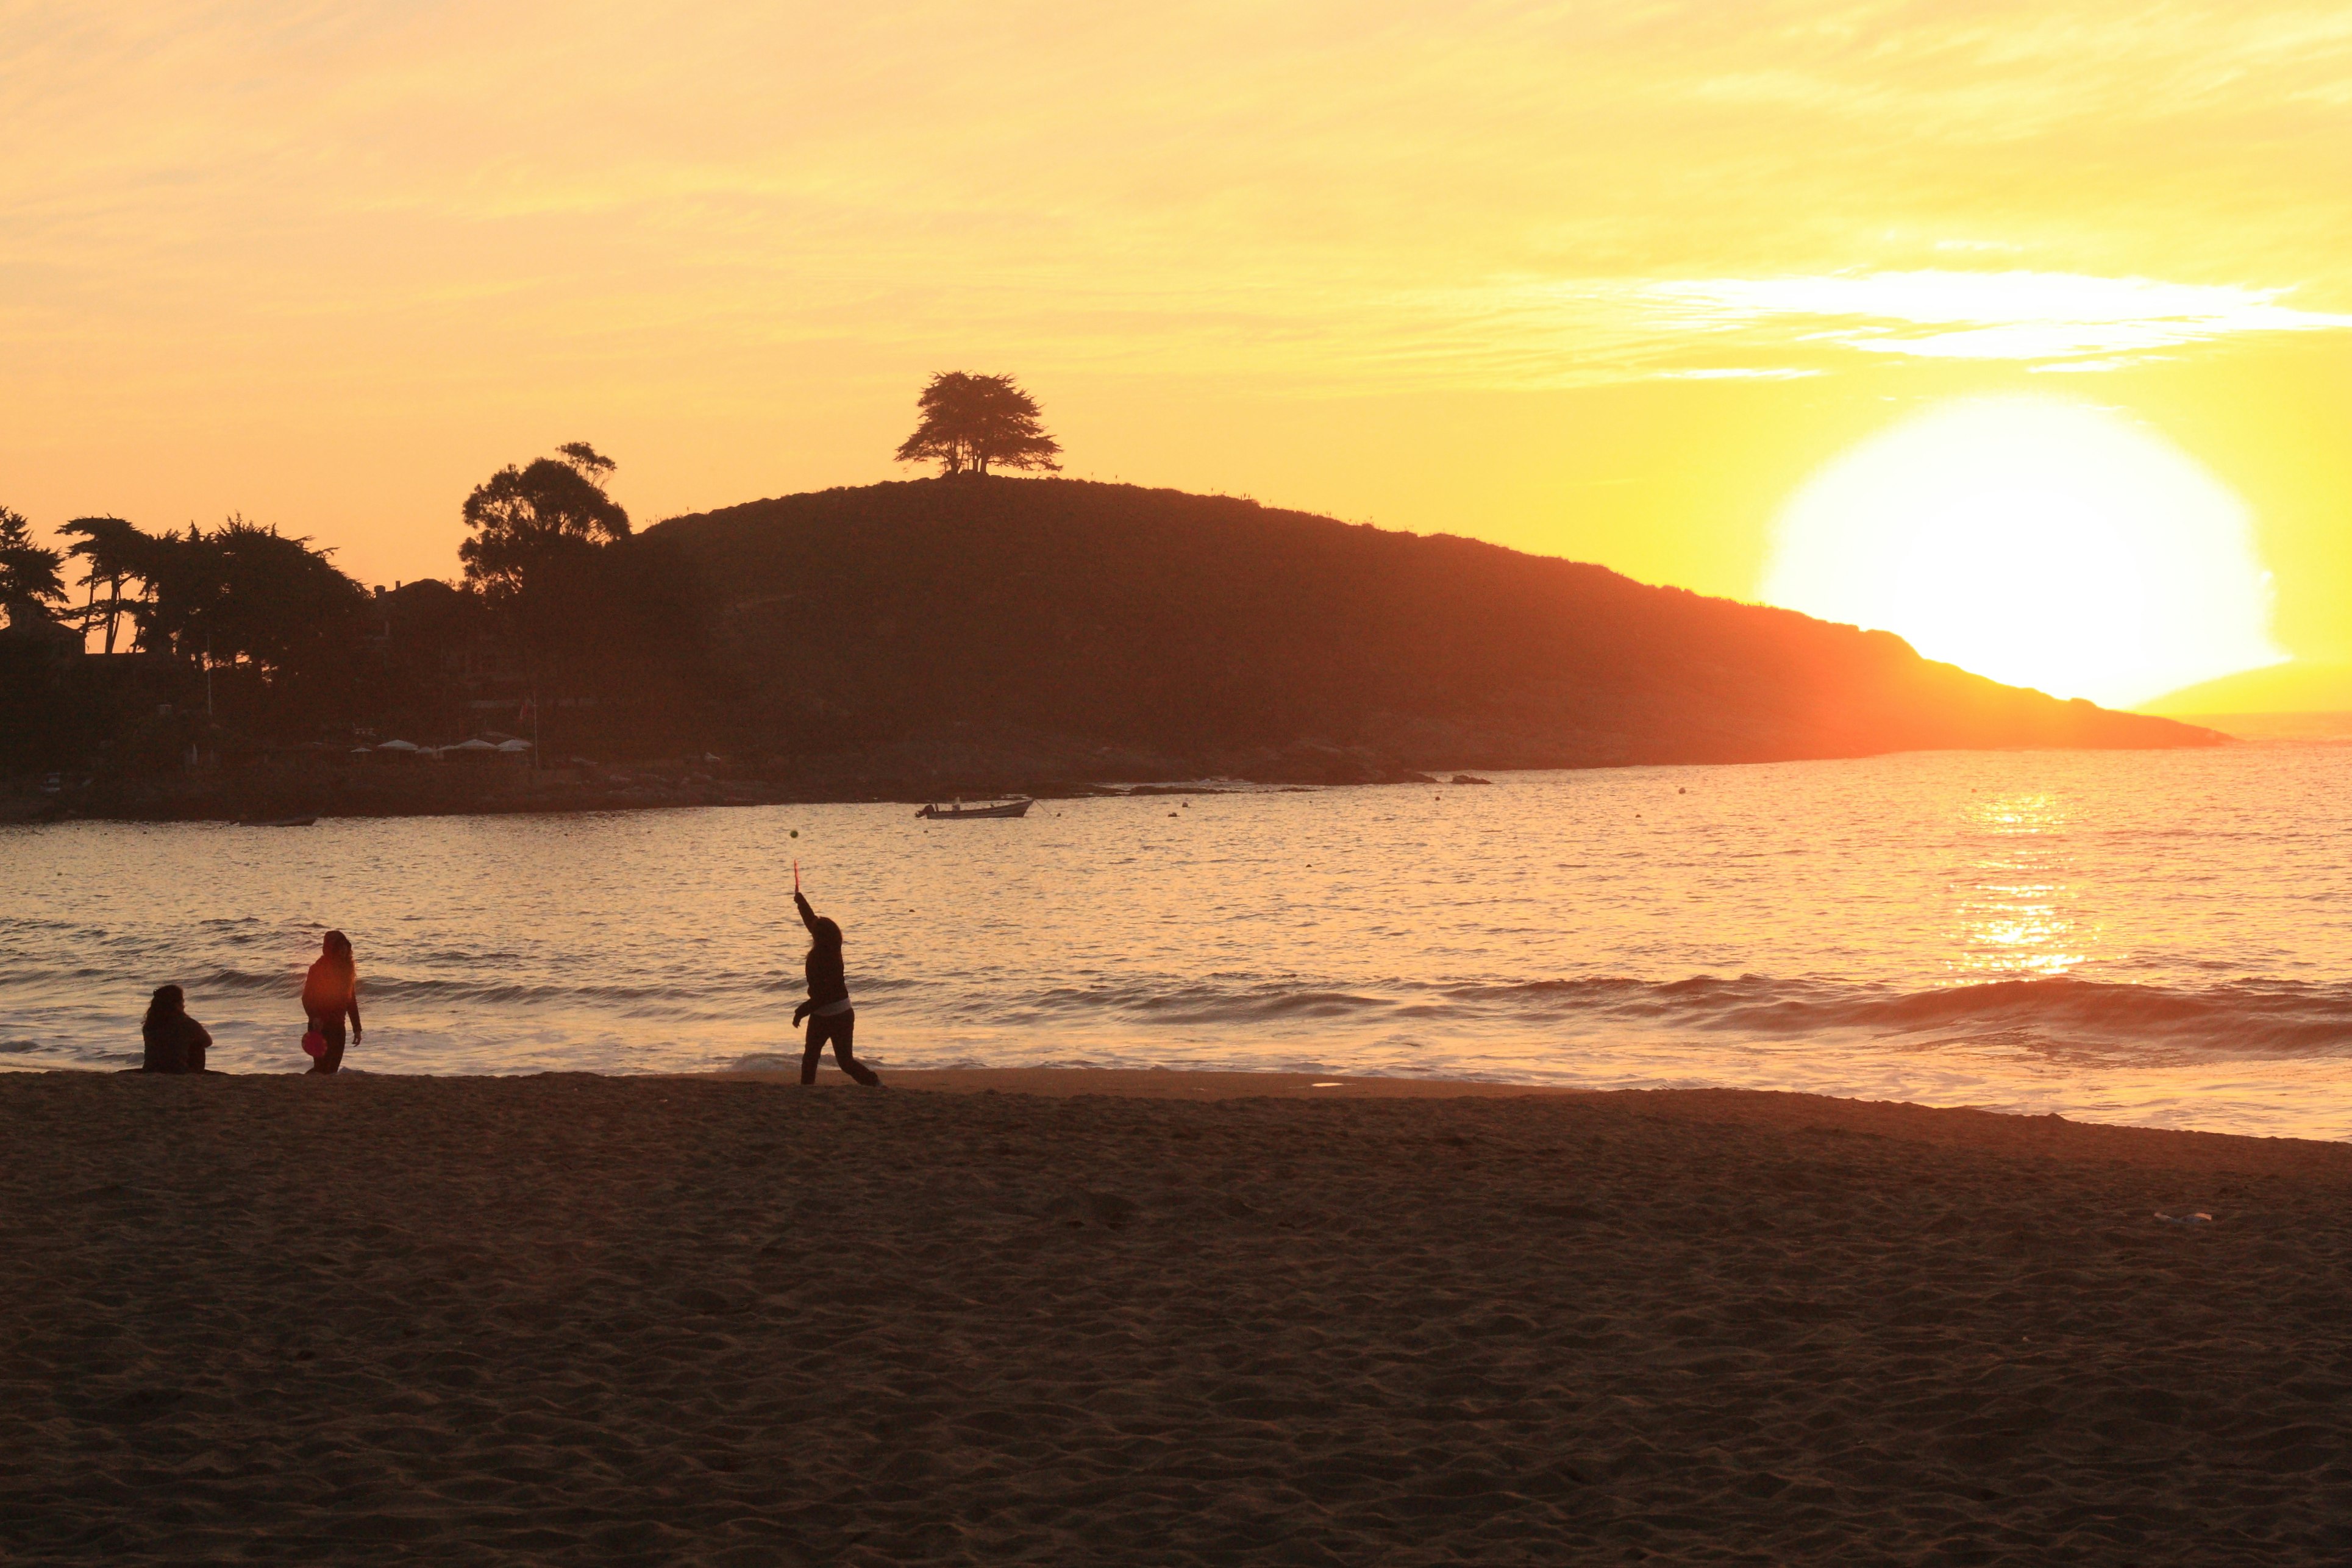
<point>2010,315</point>
<point>770,214</point>
<point>1732,373</point>
<point>1583,332</point>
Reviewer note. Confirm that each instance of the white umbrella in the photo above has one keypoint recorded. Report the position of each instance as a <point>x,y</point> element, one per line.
<point>515,746</point>
<point>475,745</point>
<point>398,746</point>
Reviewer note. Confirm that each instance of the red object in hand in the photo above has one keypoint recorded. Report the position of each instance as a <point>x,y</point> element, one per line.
<point>796,876</point>
<point>314,1043</point>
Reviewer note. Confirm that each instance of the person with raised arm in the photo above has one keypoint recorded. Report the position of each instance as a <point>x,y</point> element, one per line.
<point>330,993</point>
<point>830,1016</point>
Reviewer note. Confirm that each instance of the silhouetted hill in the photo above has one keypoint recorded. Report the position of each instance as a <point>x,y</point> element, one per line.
<point>1017,631</point>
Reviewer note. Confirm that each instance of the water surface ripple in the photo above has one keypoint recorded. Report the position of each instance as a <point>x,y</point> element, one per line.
<point>2148,937</point>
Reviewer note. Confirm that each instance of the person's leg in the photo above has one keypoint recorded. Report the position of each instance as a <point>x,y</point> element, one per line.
<point>843,1027</point>
<point>331,1059</point>
<point>815,1047</point>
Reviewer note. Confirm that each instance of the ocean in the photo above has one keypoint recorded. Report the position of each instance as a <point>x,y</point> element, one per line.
<point>2161,938</point>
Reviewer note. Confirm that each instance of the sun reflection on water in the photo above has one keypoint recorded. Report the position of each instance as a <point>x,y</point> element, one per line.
<point>2014,896</point>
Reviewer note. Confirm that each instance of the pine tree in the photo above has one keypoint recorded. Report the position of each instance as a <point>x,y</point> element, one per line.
<point>29,583</point>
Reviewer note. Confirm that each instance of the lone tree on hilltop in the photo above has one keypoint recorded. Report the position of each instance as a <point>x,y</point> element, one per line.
<point>524,518</point>
<point>972,422</point>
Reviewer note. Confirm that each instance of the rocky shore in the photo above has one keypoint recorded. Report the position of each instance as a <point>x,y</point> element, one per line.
<point>281,790</point>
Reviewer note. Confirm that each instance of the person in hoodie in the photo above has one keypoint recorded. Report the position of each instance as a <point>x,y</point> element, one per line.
<point>830,1016</point>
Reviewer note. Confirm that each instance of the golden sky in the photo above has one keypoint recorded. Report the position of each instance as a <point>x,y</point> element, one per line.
<point>1608,280</point>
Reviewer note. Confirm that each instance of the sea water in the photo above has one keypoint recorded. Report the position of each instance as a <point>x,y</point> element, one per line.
<point>2151,937</point>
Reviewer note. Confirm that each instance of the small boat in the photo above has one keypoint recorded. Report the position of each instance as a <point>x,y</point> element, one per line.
<point>956,809</point>
<point>278,822</point>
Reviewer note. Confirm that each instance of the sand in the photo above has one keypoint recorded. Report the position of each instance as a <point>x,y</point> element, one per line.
<point>1207,1319</point>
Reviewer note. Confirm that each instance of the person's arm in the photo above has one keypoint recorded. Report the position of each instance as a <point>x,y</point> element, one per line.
<point>352,1008</point>
<point>808,915</point>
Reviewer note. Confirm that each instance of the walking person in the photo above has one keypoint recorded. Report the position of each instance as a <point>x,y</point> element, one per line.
<point>830,1016</point>
<point>330,993</point>
<point>173,1041</point>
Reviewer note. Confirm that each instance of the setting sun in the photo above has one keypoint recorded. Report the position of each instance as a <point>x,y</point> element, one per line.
<point>2047,544</point>
<point>1222,783</point>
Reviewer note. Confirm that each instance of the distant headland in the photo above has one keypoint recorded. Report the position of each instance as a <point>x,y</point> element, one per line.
<point>978,634</point>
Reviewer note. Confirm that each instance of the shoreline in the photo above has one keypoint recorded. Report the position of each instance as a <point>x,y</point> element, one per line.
<point>2048,1134</point>
<point>263,797</point>
<point>1917,1120</point>
<point>266,808</point>
<point>1787,1110</point>
<point>394,791</point>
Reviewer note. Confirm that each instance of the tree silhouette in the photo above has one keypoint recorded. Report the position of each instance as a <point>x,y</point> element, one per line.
<point>246,594</point>
<point>525,519</point>
<point>972,422</point>
<point>537,554</point>
<point>29,583</point>
<point>113,552</point>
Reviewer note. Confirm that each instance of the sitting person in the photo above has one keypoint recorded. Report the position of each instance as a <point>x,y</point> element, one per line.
<point>176,1042</point>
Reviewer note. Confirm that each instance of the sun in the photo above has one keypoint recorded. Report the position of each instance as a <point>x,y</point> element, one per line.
<point>2042,542</point>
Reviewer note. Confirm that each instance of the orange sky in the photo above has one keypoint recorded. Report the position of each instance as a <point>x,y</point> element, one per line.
<point>1601,280</point>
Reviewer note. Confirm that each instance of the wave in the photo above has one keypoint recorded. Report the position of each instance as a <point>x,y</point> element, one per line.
<point>2087,1019</point>
<point>2261,1016</point>
<point>2242,1016</point>
<point>2246,1017</point>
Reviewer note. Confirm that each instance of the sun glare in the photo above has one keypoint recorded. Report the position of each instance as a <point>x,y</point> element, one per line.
<point>2042,542</point>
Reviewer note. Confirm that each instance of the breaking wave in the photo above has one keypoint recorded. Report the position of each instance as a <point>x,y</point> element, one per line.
<point>2246,1018</point>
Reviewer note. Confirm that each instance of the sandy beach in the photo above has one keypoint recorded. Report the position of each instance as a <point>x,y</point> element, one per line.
<point>1152,1318</point>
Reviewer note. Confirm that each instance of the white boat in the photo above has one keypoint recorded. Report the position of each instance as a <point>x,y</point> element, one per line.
<point>956,809</point>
